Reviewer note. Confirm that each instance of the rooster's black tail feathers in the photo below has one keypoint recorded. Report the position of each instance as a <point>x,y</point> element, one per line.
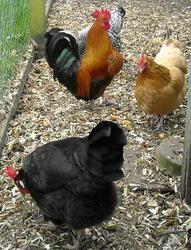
<point>62,54</point>
<point>58,44</point>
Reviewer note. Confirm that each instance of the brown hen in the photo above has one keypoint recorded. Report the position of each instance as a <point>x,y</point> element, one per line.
<point>161,83</point>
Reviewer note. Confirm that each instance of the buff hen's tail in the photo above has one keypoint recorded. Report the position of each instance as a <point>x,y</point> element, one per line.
<point>170,54</point>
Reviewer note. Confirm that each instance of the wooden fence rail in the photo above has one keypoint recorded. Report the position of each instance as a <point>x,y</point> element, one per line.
<point>186,168</point>
<point>37,12</point>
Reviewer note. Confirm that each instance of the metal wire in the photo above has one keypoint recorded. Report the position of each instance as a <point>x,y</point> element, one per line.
<point>14,35</point>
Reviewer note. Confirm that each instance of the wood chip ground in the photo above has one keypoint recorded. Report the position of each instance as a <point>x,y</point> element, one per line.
<point>47,111</point>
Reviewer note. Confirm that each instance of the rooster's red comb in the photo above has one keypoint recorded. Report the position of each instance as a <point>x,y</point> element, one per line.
<point>10,172</point>
<point>106,13</point>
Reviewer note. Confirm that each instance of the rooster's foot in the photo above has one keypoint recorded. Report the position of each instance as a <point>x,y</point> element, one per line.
<point>106,100</point>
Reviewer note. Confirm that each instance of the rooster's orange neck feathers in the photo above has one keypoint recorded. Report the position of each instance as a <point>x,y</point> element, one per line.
<point>98,42</point>
<point>94,61</point>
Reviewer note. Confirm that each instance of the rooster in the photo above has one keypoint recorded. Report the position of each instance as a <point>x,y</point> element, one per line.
<point>116,22</point>
<point>85,77</point>
<point>72,180</point>
<point>161,83</point>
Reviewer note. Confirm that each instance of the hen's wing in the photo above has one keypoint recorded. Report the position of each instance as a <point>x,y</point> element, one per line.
<point>115,63</point>
<point>50,166</point>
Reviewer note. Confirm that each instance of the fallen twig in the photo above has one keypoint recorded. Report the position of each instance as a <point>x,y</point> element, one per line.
<point>167,233</point>
<point>151,188</point>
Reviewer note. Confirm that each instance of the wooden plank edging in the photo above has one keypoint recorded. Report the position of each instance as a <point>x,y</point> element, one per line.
<point>186,168</point>
<point>3,131</point>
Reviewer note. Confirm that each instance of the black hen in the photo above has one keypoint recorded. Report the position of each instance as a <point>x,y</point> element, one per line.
<point>71,180</point>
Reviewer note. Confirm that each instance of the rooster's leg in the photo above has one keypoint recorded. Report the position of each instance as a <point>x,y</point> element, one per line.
<point>91,104</point>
